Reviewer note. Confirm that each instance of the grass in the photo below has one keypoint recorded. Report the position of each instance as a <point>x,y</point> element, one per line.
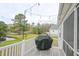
<point>9,42</point>
<point>28,36</point>
<point>18,39</point>
<point>55,41</point>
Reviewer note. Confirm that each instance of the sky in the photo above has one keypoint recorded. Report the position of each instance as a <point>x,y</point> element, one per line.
<point>44,13</point>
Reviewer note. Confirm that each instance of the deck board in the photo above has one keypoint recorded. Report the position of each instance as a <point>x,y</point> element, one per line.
<point>51,52</point>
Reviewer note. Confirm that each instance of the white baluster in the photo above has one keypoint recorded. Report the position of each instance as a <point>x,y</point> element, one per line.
<point>9,51</point>
<point>22,48</point>
<point>12,51</point>
<point>2,52</point>
<point>6,51</point>
<point>17,50</point>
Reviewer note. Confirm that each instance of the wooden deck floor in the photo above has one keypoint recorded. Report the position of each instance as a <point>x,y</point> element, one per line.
<point>52,52</point>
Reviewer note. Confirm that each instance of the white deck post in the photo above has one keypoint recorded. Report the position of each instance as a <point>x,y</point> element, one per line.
<point>75,31</point>
<point>60,41</point>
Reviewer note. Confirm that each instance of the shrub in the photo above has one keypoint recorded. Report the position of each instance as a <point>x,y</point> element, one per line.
<point>3,30</point>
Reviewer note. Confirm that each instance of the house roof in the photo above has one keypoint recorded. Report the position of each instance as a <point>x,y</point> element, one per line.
<point>63,10</point>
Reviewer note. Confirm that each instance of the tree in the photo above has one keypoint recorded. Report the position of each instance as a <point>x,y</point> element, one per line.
<point>3,30</point>
<point>37,29</point>
<point>20,23</point>
<point>19,18</point>
<point>40,28</point>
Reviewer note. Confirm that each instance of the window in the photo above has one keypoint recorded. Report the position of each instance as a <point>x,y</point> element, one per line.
<point>69,51</point>
<point>68,32</point>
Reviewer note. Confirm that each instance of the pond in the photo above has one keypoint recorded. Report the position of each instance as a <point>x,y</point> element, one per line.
<point>9,38</point>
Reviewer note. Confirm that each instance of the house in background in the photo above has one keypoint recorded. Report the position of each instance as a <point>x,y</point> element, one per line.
<point>53,30</point>
<point>68,28</point>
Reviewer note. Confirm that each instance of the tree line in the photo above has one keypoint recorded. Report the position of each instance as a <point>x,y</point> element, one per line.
<point>20,26</point>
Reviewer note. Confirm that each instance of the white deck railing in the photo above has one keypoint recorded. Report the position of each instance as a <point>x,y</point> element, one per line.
<point>17,49</point>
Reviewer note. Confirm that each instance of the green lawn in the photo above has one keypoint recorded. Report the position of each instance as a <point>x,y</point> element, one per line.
<point>9,42</point>
<point>55,41</point>
<point>28,36</point>
<point>18,39</point>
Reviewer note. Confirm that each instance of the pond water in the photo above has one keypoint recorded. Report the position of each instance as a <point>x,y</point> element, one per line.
<point>9,38</point>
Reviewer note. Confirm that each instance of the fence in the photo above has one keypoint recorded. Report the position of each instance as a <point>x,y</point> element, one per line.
<point>17,49</point>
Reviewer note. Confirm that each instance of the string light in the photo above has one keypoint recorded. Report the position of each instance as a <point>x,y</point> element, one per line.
<point>41,15</point>
<point>30,12</point>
